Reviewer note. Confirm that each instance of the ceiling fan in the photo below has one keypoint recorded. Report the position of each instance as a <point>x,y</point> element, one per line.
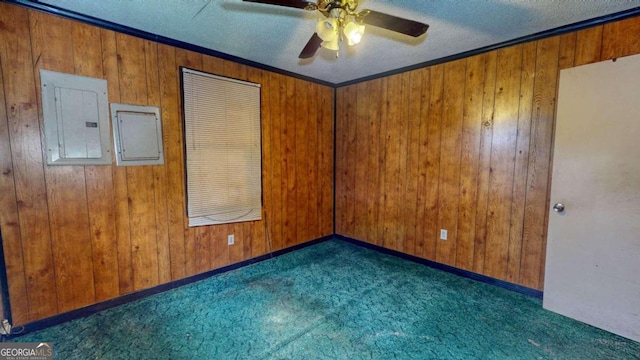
<point>344,22</point>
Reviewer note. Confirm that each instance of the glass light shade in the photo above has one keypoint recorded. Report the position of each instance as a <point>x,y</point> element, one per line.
<point>327,29</point>
<point>353,32</point>
<point>331,45</point>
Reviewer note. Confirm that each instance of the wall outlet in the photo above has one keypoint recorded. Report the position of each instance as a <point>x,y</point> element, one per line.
<point>231,239</point>
<point>443,234</point>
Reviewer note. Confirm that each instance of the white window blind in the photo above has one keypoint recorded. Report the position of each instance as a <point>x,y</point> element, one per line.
<point>222,149</point>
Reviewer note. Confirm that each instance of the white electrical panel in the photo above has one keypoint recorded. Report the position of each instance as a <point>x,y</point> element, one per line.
<point>76,117</point>
<point>137,132</point>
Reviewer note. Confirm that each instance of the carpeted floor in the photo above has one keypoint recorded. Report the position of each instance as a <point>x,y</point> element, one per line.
<point>333,300</point>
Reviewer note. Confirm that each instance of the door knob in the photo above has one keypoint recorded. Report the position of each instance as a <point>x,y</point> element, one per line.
<point>558,207</point>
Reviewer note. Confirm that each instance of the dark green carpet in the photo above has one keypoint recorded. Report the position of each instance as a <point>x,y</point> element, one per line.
<point>333,300</point>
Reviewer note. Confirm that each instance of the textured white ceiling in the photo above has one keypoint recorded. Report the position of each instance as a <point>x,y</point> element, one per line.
<point>274,35</point>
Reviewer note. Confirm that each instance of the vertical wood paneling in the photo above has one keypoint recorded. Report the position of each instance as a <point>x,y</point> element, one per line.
<point>158,171</point>
<point>521,162</point>
<point>233,70</point>
<point>470,151</point>
<point>341,186</point>
<point>409,211</point>
<point>542,124</point>
<point>301,218</point>
<point>119,174</point>
<point>382,135</point>
<point>219,248</point>
<point>345,202</point>
<point>360,166</point>
<point>486,137</point>
<point>258,244</point>
<point>66,187</point>
<point>267,173</point>
<point>248,229</point>
<point>588,46</point>
<point>391,140</point>
<point>173,157</point>
<point>350,166</point>
<point>309,164</point>
<point>9,221</point>
<point>567,50</point>
<point>273,216</point>
<point>327,169</point>
<point>87,57</point>
<point>434,139</point>
<point>236,251</point>
<point>423,148</point>
<point>288,104</point>
<point>401,186</point>
<point>477,163</point>
<point>27,159</point>
<point>373,162</point>
<point>502,160</point>
<point>285,154</point>
<point>450,152</point>
<point>76,235</point>
<point>620,38</point>
<point>140,181</point>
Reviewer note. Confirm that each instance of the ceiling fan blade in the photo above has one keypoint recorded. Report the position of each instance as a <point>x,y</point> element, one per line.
<point>393,23</point>
<point>300,4</point>
<point>312,46</point>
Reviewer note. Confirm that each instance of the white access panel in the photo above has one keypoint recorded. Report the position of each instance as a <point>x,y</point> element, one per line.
<point>137,132</point>
<point>75,119</point>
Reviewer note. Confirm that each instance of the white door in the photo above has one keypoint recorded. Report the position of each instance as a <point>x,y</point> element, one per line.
<point>593,251</point>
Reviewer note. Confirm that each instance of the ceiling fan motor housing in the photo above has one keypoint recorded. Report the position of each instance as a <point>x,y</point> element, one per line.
<point>326,7</point>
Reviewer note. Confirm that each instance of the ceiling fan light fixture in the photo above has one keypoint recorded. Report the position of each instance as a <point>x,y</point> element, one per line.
<point>344,23</point>
<point>353,32</point>
<point>327,29</point>
<point>331,45</point>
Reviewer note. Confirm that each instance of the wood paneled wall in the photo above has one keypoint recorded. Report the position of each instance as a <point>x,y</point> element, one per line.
<point>77,235</point>
<point>464,146</point>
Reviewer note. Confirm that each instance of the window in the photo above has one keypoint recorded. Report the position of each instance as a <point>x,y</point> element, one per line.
<point>222,149</point>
